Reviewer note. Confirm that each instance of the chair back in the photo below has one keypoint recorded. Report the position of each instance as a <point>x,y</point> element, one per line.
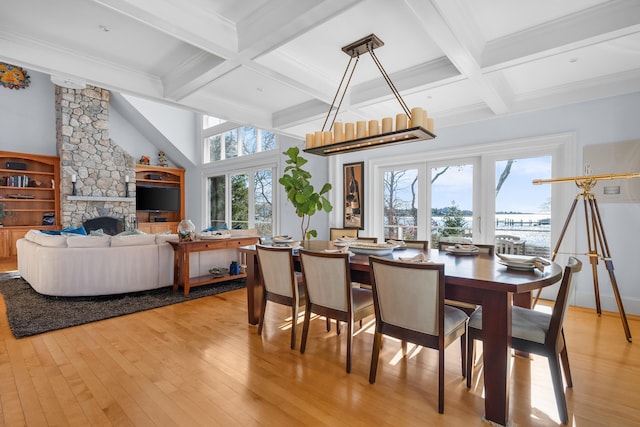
<point>409,295</point>
<point>276,270</point>
<point>509,245</point>
<point>368,239</point>
<point>482,248</point>
<point>335,233</point>
<point>327,279</point>
<point>562,301</point>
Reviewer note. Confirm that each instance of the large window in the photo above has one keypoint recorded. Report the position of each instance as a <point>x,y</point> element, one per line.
<point>224,140</point>
<point>467,196</point>
<point>248,203</point>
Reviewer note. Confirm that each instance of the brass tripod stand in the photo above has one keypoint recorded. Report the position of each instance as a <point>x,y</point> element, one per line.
<point>596,238</point>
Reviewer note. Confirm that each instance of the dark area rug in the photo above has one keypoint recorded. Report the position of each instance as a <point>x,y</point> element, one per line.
<point>30,313</point>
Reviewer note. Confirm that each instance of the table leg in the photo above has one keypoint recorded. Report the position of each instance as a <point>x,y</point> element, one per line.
<point>185,273</point>
<point>177,269</point>
<point>254,289</point>
<point>496,349</point>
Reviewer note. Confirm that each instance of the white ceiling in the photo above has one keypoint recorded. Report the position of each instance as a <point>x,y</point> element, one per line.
<point>276,64</point>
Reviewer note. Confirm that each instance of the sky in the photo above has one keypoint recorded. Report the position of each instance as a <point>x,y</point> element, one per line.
<point>517,194</point>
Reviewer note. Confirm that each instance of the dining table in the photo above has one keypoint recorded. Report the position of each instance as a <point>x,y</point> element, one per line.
<point>475,278</point>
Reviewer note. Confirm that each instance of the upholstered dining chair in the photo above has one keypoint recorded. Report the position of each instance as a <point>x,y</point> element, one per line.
<point>409,305</point>
<point>368,239</point>
<point>335,233</point>
<point>282,284</point>
<point>538,333</point>
<point>423,245</point>
<point>482,248</point>
<point>330,293</point>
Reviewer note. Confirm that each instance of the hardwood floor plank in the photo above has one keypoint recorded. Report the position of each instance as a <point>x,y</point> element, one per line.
<point>200,363</point>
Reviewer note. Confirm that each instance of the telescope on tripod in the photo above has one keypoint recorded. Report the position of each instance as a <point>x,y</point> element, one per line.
<point>596,238</point>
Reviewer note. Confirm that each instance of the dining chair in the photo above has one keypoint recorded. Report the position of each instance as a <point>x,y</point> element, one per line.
<point>335,233</point>
<point>409,305</point>
<point>281,284</point>
<point>538,333</point>
<point>412,244</point>
<point>482,248</point>
<point>368,239</point>
<point>330,293</point>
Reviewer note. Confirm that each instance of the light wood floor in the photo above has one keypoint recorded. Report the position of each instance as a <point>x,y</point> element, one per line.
<point>200,364</point>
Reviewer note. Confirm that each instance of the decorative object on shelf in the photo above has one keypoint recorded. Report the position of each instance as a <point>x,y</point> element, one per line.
<point>186,231</point>
<point>162,159</point>
<point>3,212</point>
<point>13,77</point>
<point>219,271</point>
<point>234,268</point>
<point>73,185</point>
<point>412,125</point>
<point>353,181</point>
<point>300,192</point>
<point>144,160</point>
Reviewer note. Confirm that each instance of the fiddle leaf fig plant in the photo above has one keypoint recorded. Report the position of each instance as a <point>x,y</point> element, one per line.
<point>301,193</point>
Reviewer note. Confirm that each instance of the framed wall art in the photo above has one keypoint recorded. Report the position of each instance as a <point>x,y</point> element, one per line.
<point>353,179</point>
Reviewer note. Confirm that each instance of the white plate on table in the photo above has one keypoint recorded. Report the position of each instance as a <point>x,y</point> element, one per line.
<point>378,249</point>
<point>518,265</point>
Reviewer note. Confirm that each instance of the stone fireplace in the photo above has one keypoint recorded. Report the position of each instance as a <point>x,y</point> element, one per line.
<point>86,152</point>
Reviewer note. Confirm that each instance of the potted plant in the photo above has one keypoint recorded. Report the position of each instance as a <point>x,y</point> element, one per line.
<point>301,193</point>
<point>3,213</point>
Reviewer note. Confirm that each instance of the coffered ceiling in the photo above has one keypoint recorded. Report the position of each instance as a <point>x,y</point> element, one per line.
<point>276,64</point>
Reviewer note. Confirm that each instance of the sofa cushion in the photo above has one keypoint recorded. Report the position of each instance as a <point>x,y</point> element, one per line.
<point>51,241</point>
<point>88,241</point>
<point>133,240</point>
<point>31,235</point>
<point>165,237</point>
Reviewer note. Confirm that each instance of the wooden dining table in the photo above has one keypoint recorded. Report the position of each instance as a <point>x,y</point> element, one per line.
<point>479,279</point>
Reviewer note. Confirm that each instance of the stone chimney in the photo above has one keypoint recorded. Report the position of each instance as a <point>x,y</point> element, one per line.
<point>85,150</point>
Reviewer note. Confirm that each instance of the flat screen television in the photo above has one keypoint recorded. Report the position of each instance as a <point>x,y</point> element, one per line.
<point>159,199</point>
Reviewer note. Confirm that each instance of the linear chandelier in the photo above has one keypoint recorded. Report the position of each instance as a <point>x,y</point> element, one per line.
<point>411,125</point>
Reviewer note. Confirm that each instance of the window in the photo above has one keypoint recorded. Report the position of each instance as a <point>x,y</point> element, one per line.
<point>401,204</point>
<point>451,203</point>
<point>475,195</point>
<point>226,141</point>
<point>248,203</point>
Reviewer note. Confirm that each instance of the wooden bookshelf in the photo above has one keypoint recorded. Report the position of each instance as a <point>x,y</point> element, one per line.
<point>28,193</point>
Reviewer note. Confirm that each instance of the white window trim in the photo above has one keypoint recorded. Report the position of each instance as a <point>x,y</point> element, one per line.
<point>562,148</point>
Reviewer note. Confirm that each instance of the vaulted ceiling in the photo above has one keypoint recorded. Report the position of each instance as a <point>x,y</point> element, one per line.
<point>276,64</point>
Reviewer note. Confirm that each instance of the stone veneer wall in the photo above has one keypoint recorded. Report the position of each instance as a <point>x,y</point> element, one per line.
<point>100,165</point>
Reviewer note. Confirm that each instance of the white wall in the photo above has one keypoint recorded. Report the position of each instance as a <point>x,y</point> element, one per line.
<point>28,117</point>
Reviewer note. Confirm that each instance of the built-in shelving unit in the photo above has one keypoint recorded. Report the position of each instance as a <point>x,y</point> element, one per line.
<point>29,196</point>
<point>158,176</point>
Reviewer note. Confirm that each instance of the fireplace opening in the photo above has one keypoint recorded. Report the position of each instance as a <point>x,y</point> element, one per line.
<point>110,225</point>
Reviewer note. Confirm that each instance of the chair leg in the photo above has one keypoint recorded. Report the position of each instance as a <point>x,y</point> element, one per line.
<point>377,343</point>
<point>558,387</point>
<point>463,354</point>
<point>565,363</point>
<point>294,325</point>
<point>469,358</point>
<point>305,328</point>
<point>441,380</point>
<point>263,308</point>
<point>349,344</point>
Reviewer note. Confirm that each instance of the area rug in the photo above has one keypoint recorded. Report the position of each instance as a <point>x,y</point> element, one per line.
<point>30,313</point>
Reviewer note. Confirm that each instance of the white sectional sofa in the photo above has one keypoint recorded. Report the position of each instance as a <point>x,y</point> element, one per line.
<point>101,265</point>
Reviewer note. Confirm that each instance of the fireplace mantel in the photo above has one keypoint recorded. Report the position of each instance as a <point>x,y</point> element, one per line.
<point>101,199</point>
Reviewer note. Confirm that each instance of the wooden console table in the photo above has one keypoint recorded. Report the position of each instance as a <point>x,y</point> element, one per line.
<point>181,251</point>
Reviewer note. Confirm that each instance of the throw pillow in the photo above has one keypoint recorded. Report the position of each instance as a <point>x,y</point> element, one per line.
<point>98,232</point>
<point>74,230</point>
